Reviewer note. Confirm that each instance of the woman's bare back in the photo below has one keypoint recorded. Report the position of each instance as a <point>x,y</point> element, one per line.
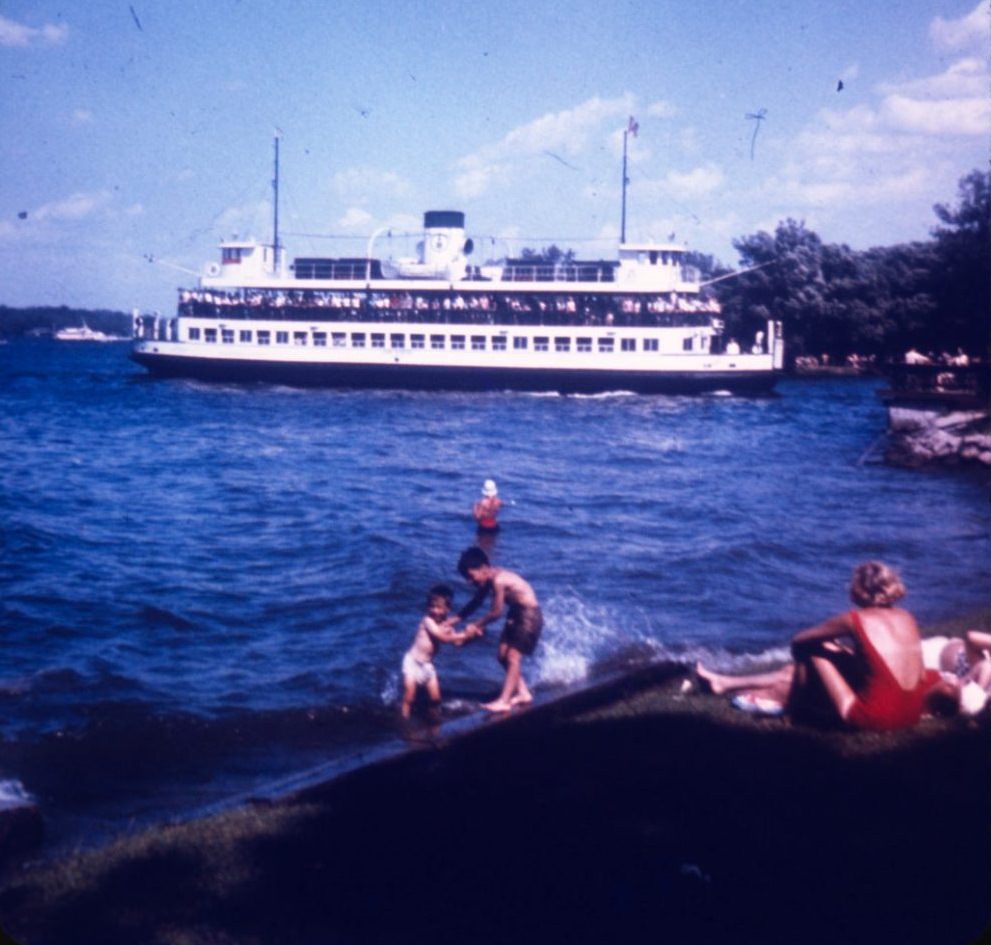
<point>895,635</point>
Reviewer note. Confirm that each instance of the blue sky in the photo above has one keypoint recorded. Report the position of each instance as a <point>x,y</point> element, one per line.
<point>144,129</point>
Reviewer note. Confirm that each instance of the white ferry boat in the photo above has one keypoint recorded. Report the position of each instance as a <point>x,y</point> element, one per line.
<point>81,333</point>
<point>437,321</point>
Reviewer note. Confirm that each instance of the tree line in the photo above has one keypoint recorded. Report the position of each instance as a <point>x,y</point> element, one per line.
<point>47,319</point>
<point>835,301</point>
<point>933,295</point>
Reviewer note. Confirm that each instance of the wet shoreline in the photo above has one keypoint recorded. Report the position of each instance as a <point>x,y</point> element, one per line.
<point>626,810</point>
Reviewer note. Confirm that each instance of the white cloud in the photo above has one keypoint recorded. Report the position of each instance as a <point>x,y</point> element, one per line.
<point>968,31</point>
<point>898,152</point>
<point>896,149</point>
<point>903,151</point>
<point>687,185</point>
<point>638,152</point>
<point>955,102</point>
<point>662,110</point>
<point>15,34</point>
<point>361,183</point>
<point>476,176</point>
<point>697,182</point>
<point>567,132</point>
<point>358,221</point>
<point>244,221</point>
<point>77,206</point>
<point>355,218</point>
<point>944,117</point>
<point>863,162</point>
<point>965,77</point>
<point>870,189</point>
<point>46,222</point>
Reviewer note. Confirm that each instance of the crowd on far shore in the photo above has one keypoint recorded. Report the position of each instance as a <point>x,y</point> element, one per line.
<point>869,362</point>
<point>858,362</point>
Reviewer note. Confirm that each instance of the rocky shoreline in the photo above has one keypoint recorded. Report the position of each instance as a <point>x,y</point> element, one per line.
<point>938,414</point>
<point>629,811</point>
<point>921,436</point>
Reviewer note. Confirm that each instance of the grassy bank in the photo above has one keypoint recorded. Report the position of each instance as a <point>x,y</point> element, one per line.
<point>629,812</point>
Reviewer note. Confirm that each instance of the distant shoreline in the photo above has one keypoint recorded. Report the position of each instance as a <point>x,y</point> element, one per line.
<point>44,320</point>
<point>835,370</point>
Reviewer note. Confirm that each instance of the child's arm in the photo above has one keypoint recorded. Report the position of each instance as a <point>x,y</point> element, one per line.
<point>473,604</point>
<point>498,600</point>
<point>445,633</point>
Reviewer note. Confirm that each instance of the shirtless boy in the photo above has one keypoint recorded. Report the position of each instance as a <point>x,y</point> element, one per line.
<point>435,628</point>
<point>524,621</point>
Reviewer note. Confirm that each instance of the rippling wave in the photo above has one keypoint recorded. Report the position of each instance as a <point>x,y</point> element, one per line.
<point>209,586</point>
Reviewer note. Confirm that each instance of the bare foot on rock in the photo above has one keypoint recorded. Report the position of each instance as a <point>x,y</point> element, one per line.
<point>497,706</point>
<point>708,680</point>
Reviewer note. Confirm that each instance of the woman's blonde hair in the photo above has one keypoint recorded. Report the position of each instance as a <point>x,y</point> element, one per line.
<point>874,584</point>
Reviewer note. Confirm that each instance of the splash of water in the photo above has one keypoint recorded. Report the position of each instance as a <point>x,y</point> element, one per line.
<point>579,636</point>
<point>14,794</point>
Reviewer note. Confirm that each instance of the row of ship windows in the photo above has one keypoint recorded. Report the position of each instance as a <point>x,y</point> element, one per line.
<point>360,339</point>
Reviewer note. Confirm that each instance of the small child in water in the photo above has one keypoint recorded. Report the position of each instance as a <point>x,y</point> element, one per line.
<point>435,628</point>
<point>486,509</point>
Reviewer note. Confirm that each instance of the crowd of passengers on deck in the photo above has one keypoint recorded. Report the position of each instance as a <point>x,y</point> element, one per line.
<point>474,308</point>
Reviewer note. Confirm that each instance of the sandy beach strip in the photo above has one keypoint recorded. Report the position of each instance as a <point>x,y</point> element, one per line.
<point>628,812</point>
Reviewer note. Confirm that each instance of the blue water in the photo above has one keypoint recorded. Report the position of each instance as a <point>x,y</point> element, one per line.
<point>208,588</point>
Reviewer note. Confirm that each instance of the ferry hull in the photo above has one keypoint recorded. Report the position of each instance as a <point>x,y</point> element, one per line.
<point>433,377</point>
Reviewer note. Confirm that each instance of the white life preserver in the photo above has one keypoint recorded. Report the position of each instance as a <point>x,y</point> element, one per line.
<point>213,269</point>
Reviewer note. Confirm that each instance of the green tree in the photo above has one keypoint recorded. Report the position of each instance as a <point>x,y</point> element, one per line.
<point>904,306</point>
<point>550,256</point>
<point>963,254</point>
<point>708,266</point>
<point>786,284</point>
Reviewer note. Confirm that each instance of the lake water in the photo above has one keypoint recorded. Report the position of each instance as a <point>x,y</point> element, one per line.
<point>207,589</point>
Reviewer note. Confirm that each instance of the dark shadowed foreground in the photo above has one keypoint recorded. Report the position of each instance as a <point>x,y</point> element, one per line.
<point>626,813</point>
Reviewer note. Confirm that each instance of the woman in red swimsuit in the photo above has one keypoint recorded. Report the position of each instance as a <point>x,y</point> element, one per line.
<point>863,666</point>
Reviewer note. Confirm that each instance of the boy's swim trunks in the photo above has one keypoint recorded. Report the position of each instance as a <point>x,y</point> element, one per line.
<point>522,630</point>
<point>420,673</point>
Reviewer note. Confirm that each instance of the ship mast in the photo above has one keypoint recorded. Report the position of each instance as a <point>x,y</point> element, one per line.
<point>631,129</point>
<point>275,194</point>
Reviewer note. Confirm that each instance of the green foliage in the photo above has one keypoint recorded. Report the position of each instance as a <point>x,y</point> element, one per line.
<point>962,251</point>
<point>833,300</point>
<point>708,266</point>
<point>549,257</point>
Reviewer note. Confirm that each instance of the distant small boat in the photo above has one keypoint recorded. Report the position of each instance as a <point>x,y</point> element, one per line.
<point>81,333</point>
